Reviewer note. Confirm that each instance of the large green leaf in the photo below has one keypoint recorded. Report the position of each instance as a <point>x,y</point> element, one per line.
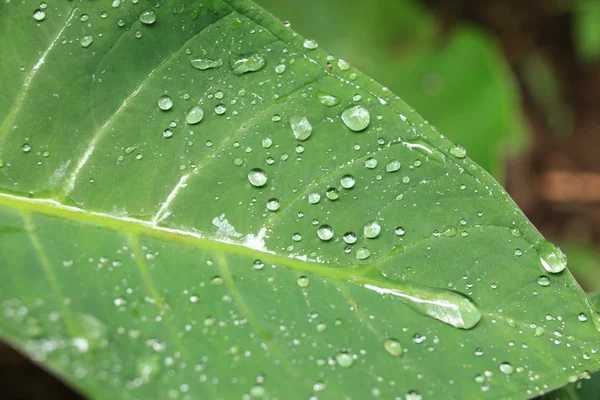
<point>139,263</point>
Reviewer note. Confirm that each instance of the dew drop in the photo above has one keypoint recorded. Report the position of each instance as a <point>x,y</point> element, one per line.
<point>328,99</point>
<point>343,65</point>
<point>280,68</point>
<point>273,204</point>
<point>86,41</point>
<point>148,17</point>
<point>303,281</point>
<point>392,166</point>
<point>194,115</point>
<point>393,347</point>
<point>356,118</point>
<point>301,127</point>
<point>350,237</point>
<point>332,194</point>
<point>543,280</point>
<point>372,230</point>
<point>147,367</point>
<point>241,64</point>
<point>258,391</point>
<point>205,63</point>
<point>310,44</point>
<point>314,198</point>
<point>347,181</point>
<point>89,333</point>
<point>399,231</point>
<point>552,258</point>
<point>325,232</point>
<point>165,102</point>
<point>344,360</point>
<point>582,317</point>
<point>370,163</point>
<point>167,133</point>
<point>363,253</point>
<point>39,15</point>
<point>506,368</point>
<point>458,151</point>
<point>257,177</point>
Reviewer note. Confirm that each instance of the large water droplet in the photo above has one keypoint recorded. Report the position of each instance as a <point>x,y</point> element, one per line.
<point>552,258</point>
<point>328,99</point>
<point>392,166</point>
<point>301,127</point>
<point>347,181</point>
<point>241,64</point>
<point>393,347</point>
<point>350,237</point>
<point>314,198</point>
<point>206,63</point>
<point>444,305</point>
<point>356,118</point>
<point>363,253</point>
<point>257,177</point>
<point>303,281</point>
<point>325,232</point>
<point>371,163</point>
<point>86,41</point>
<point>39,15</point>
<point>543,280</point>
<point>310,44</point>
<point>332,194</point>
<point>165,102</point>
<point>194,115</point>
<point>372,230</point>
<point>344,360</point>
<point>506,368</point>
<point>148,17</point>
<point>273,204</point>
<point>458,151</point>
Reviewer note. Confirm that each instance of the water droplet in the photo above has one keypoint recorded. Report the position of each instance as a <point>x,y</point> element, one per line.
<point>241,64</point>
<point>194,299</point>
<point>363,253</point>
<point>399,231</point>
<point>303,281</point>
<point>424,147</point>
<point>39,15</point>
<point>444,305</point>
<point>325,232</point>
<point>343,64</point>
<point>167,133</point>
<point>344,360</point>
<point>296,237</point>
<point>582,317</point>
<point>86,41</point>
<point>310,44</point>
<point>328,99</point>
<point>301,127</point>
<point>347,181</point>
<point>89,333</point>
<point>392,166</point>
<point>257,177</point>
<point>543,280</point>
<point>350,237</point>
<point>356,118</point>
<point>194,115</point>
<point>258,265</point>
<point>26,148</point>
<point>147,367</point>
<point>332,194</point>
<point>506,368</point>
<point>206,63</point>
<point>372,230</point>
<point>165,103</point>
<point>217,280</point>
<point>280,68</point>
<point>220,109</point>
<point>267,142</point>
<point>314,198</point>
<point>371,163</point>
<point>393,347</point>
<point>148,17</point>
<point>273,204</point>
<point>258,391</point>
<point>319,386</point>
<point>458,151</point>
<point>552,258</point>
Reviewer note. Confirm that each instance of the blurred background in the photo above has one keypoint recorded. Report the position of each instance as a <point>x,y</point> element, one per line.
<point>516,82</point>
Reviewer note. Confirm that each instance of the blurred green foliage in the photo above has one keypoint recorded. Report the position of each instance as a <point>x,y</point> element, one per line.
<point>458,80</point>
<point>587,30</point>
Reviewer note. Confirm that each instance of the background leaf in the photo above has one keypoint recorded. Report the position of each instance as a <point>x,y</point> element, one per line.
<point>150,254</point>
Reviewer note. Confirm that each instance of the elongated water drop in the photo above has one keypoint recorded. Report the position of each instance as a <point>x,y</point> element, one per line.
<point>310,44</point>
<point>552,258</point>
<point>241,64</point>
<point>392,166</point>
<point>301,127</point>
<point>444,305</point>
<point>206,63</point>
<point>86,41</point>
<point>356,118</point>
<point>257,177</point>
<point>458,151</point>
<point>393,347</point>
<point>328,99</point>
<point>424,147</point>
<point>194,115</point>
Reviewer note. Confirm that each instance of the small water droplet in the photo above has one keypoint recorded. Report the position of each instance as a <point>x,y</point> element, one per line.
<point>393,347</point>
<point>343,64</point>
<point>273,204</point>
<point>458,151</point>
<point>392,166</point>
<point>344,360</point>
<point>328,99</point>
<point>167,133</point>
<point>148,17</point>
<point>314,198</point>
<point>165,102</point>
<point>258,265</point>
<point>220,109</point>
<point>39,15</point>
<point>543,280</point>
<point>363,253</point>
<point>280,68</point>
<point>89,333</point>
<point>194,115</point>
<point>147,367</point>
<point>241,64</point>
<point>86,41</point>
<point>506,368</point>
<point>552,258</point>
<point>356,118</point>
<point>347,181</point>
<point>301,127</point>
<point>310,44</point>
<point>258,391</point>
<point>325,232</point>
<point>371,163</point>
<point>332,194</point>
<point>372,230</point>
<point>303,281</point>
<point>217,280</point>
<point>399,231</point>
<point>582,317</point>
<point>350,237</point>
<point>205,63</point>
<point>257,177</point>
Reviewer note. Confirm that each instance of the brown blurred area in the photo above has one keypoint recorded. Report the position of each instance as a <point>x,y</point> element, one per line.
<point>556,183</point>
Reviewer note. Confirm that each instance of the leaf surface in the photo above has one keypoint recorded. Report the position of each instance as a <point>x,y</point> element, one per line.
<point>196,202</point>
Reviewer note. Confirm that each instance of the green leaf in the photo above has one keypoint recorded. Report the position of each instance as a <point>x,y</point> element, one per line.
<point>304,233</point>
<point>586,30</point>
<point>457,79</point>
